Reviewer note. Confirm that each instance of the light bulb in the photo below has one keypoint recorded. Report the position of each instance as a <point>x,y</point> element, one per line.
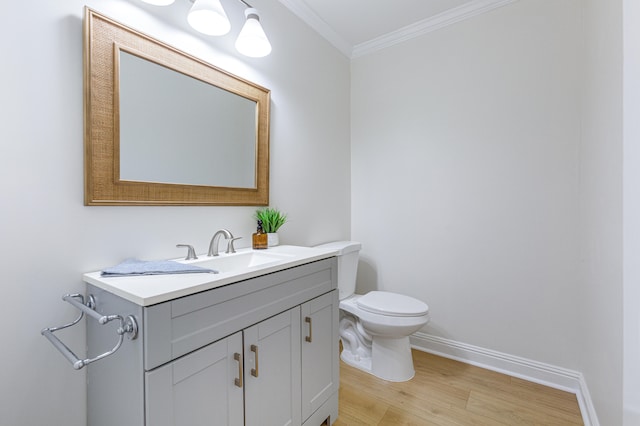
<point>252,41</point>
<point>208,17</point>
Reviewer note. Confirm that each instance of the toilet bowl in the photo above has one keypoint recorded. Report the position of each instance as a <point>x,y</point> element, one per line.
<point>375,327</point>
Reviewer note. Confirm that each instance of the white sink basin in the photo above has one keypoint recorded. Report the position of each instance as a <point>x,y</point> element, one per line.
<point>238,261</point>
<point>245,264</point>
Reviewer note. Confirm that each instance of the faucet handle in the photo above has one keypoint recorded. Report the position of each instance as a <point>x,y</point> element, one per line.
<point>191,253</point>
<point>230,247</point>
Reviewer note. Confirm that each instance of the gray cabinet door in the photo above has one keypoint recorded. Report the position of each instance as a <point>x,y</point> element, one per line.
<point>272,371</point>
<point>198,389</point>
<point>320,378</point>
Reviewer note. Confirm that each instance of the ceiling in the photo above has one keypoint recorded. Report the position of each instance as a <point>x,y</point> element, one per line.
<point>358,27</point>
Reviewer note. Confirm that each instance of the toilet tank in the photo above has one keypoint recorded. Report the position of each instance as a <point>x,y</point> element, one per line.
<point>348,252</point>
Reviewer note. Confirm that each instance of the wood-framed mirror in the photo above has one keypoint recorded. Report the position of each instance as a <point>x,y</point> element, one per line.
<point>165,128</point>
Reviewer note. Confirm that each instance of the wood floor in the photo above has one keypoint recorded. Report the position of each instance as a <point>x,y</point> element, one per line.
<point>447,392</point>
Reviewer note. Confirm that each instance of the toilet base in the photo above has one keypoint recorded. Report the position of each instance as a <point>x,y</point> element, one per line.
<point>356,360</point>
<point>390,359</point>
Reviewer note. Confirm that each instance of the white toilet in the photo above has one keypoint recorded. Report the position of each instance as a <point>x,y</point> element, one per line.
<point>375,327</point>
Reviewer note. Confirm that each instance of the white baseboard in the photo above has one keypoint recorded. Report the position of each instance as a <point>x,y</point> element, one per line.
<point>533,371</point>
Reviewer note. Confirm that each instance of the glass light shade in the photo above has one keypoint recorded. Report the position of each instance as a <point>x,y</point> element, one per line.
<point>252,41</point>
<point>159,2</point>
<point>208,17</point>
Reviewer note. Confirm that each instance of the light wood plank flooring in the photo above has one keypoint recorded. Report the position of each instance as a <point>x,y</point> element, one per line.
<point>447,392</point>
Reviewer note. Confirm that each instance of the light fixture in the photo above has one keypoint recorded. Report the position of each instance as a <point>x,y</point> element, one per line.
<point>252,41</point>
<point>159,2</point>
<point>209,17</point>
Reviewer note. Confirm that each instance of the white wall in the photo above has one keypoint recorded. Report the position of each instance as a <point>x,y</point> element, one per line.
<point>601,188</point>
<point>49,238</point>
<point>487,181</point>
<point>631,177</point>
<point>465,177</point>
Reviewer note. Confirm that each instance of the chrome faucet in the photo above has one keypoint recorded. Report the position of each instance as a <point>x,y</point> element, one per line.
<point>213,245</point>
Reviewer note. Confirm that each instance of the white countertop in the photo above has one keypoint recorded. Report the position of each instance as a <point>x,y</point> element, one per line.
<point>148,290</point>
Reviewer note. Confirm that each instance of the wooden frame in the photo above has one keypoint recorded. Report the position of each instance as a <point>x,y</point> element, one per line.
<point>103,38</point>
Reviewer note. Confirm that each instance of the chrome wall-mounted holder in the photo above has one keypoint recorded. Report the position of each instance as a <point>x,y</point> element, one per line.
<point>128,326</point>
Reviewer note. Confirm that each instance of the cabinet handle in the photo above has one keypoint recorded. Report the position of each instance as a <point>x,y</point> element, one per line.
<point>254,371</point>
<point>309,338</point>
<point>238,358</point>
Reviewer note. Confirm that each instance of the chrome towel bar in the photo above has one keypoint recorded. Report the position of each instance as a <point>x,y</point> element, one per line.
<point>127,326</point>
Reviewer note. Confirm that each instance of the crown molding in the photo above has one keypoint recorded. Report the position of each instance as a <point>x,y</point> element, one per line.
<point>304,12</point>
<point>444,19</point>
<point>449,17</point>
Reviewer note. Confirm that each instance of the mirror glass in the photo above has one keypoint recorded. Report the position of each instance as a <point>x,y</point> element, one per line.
<point>178,129</point>
<point>162,127</point>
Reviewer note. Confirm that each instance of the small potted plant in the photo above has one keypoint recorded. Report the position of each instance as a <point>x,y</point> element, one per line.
<point>272,219</point>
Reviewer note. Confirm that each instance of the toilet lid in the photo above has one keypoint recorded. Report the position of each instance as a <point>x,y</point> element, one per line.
<point>393,304</point>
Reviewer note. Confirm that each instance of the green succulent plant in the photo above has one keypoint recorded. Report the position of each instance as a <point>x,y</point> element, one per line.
<point>272,219</point>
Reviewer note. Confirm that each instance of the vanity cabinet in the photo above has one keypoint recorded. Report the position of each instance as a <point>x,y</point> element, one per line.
<point>208,384</point>
<point>259,352</point>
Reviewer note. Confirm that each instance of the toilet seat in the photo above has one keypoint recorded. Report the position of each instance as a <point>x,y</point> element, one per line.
<point>392,304</point>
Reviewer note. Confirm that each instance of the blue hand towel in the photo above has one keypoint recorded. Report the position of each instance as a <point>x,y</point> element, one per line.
<point>153,267</point>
